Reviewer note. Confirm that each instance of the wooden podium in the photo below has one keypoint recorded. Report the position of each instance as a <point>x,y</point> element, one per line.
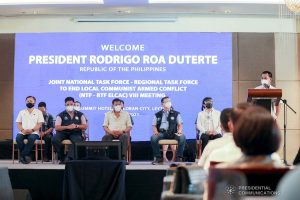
<point>264,97</point>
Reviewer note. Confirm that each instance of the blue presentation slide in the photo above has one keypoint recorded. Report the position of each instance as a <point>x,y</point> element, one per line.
<point>139,68</point>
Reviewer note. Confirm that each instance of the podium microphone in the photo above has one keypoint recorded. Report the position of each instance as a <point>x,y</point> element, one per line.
<point>266,86</point>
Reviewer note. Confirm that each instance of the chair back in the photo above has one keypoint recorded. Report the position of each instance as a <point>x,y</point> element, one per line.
<point>86,132</point>
<point>265,180</point>
<point>214,163</point>
<point>168,141</point>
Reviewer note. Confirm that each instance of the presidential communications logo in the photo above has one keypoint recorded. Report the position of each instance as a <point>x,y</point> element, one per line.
<point>230,189</point>
<point>242,191</point>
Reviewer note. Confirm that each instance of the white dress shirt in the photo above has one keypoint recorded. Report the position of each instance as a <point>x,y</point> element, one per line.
<point>213,145</point>
<point>209,120</point>
<point>229,154</point>
<point>30,120</point>
<point>263,87</point>
<point>226,154</point>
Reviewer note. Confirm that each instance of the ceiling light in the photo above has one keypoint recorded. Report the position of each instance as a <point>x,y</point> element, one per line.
<point>227,11</point>
<point>293,5</point>
<point>131,19</point>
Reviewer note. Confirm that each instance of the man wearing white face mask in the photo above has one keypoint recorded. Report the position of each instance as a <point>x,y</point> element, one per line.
<point>167,124</point>
<point>69,124</point>
<point>77,107</point>
<point>117,124</point>
<point>266,80</point>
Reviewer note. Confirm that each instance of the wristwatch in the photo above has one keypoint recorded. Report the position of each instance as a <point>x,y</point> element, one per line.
<point>32,130</point>
<point>76,126</point>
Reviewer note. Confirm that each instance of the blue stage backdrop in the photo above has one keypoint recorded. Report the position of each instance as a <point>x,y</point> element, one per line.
<point>139,68</point>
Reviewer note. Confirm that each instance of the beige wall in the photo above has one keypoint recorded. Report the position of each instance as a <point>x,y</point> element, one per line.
<point>287,78</point>
<point>252,54</point>
<point>6,84</point>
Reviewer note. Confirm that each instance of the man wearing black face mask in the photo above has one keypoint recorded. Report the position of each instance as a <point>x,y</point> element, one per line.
<point>29,122</point>
<point>208,122</point>
<point>46,130</point>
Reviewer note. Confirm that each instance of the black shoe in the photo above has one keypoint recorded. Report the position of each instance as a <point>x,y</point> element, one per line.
<point>23,160</point>
<point>124,158</point>
<point>45,159</point>
<point>157,161</point>
<point>62,159</point>
<point>27,159</point>
<point>179,159</point>
<point>61,162</point>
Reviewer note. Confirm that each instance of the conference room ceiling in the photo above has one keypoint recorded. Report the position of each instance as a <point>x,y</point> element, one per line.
<point>157,10</point>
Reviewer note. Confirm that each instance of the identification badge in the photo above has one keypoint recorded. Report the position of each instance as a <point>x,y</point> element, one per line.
<point>172,118</point>
<point>77,118</point>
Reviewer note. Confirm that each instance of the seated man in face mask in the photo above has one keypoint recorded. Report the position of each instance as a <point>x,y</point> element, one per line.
<point>167,124</point>
<point>117,124</point>
<point>208,122</point>
<point>77,107</point>
<point>28,122</point>
<point>46,130</point>
<point>69,124</point>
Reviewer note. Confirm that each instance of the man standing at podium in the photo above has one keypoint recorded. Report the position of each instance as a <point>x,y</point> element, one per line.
<point>266,80</point>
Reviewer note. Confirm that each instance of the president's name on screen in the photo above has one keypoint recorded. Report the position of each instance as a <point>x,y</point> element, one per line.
<point>122,59</point>
<point>122,47</point>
